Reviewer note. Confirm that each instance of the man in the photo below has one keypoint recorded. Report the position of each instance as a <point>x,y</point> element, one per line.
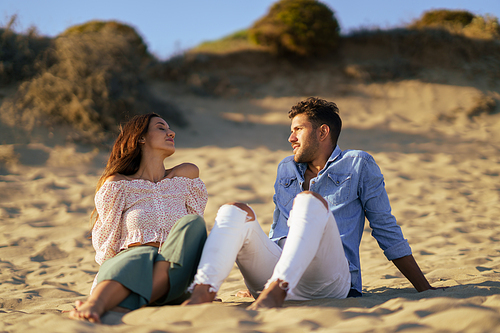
<point>322,197</point>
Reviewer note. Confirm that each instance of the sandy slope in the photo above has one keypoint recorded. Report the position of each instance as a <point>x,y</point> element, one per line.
<point>442,177</point>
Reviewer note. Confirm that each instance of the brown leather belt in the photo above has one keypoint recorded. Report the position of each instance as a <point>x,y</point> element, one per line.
<point>154,244</point>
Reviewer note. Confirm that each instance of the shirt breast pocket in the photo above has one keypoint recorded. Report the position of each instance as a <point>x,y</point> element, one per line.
<point>339,188</point>
<point>287,190</point>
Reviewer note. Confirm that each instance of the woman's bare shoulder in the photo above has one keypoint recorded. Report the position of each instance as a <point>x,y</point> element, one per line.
<point>116,177</point>
<point>188,170</point>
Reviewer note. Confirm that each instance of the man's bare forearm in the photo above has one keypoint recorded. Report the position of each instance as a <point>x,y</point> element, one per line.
<point>409,267</point>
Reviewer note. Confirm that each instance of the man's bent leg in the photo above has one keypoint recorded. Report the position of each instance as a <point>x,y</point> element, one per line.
<point>328,273</point>
<point>231,234</point>
<point>303,269</point>
<point>257,258</point>
<point>219,254</point>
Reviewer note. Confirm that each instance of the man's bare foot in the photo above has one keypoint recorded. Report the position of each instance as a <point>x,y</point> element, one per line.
<point>244,293</point>
<point>271,297</point>
<point>201,294</point>
<point>88,311</point>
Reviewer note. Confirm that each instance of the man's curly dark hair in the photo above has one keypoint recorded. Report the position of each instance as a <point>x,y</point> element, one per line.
<point>319,112</point>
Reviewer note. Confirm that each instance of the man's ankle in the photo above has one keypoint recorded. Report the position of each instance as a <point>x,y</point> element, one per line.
<point>278,288</point>
<point>271,297</point>
<point>202,293</point>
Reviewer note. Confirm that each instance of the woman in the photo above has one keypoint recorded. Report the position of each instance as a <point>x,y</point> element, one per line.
<point>148,233</point>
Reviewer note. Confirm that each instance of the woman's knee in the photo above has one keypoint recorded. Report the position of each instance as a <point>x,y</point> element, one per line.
<point>189,232</point>
<point>194,223</point>
<point>316,195</point>
<point>244,207</point>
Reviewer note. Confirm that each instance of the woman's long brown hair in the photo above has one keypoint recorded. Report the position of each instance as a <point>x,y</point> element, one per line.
<point>125,157</point>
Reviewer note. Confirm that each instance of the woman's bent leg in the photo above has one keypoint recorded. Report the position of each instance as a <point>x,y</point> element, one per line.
<point>182,250</point>
<point>161,283</point>
<point>132,268</point>
<point>106,296</point>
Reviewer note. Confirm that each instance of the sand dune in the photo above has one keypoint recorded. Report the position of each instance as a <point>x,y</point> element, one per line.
<point>442,174</point>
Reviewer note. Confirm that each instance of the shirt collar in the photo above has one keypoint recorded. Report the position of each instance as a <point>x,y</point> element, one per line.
<point>302,167</point>
<point>335,154</point>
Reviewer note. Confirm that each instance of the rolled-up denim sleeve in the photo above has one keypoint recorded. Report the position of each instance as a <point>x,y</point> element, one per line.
<point>378,212</point>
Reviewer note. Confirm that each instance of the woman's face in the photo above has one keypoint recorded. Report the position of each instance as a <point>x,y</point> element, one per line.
<point>159,137</point>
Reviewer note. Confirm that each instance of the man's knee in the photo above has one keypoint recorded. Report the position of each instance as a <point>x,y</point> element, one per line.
<point>244,207</point>
<point>316,195</point>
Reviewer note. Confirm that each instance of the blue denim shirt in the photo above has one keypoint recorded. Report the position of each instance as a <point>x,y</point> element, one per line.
<point>353,185</point>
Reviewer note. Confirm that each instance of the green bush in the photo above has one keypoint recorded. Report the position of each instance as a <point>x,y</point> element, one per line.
<point>300,27</point>
<point>114,27</point>
<point>445,18</point>
<point>460,22</point>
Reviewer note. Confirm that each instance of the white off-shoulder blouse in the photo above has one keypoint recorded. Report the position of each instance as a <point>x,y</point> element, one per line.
<point>141,211</point>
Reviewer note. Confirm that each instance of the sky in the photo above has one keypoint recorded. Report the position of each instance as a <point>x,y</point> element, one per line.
<point>172,26</point>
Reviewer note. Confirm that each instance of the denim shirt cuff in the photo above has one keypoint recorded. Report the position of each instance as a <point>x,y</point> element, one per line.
<point>399,250</point>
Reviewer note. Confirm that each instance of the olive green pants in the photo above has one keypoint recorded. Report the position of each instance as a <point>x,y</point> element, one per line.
<point>133,267</point>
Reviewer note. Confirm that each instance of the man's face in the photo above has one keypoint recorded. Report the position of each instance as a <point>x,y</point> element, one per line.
<point>304,139</point>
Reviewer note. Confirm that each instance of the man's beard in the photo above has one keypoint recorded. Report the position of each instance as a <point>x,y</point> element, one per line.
<point>307,152</point>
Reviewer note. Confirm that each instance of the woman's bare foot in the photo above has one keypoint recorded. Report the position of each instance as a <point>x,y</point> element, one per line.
<point>201,294</point>
<point>88,310</point>
<point>271,297</point>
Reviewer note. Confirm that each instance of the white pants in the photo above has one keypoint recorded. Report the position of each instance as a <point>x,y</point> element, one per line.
<point>311,261</point>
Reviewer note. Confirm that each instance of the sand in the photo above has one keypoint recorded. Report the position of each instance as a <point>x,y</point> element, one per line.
<point>442,174</point>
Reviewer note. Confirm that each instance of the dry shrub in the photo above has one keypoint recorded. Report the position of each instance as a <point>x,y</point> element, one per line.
<point>228,74</point>
<point>94,84</point>
<point>18,53</point>
<point>460,22</point>
<point>419,48</point>
<point>298,27</point>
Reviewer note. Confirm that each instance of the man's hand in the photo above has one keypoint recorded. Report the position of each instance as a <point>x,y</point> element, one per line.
<point>409,267</point>
<point>438,288</point>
